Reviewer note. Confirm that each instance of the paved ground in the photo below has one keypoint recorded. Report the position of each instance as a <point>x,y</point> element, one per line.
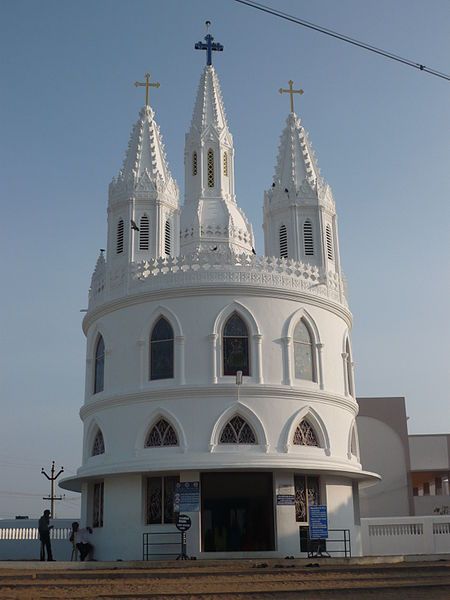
<point>238,580</point>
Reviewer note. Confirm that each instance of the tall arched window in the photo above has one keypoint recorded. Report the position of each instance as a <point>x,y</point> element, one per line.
<point>119,240</point>
<point>225,164</point>
<point>308,238</point>
<point>305,435</point>
<point>194,163</point>
<point>210,165</point>
<point>161,434</point>
<point>303,352</point>
<point>98,447</point>
<point>329,243</point>
<point>144,233</point>
<point>237,431</point>
<point>161,350</point>
<point>99,367</point>
<point>349,368</point>
<point>167,238</point>
<point>235,346</point>
<point>283,242</point>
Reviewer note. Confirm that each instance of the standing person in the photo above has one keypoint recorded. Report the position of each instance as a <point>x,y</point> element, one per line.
<point>80,537</point>
<point>44,535</point>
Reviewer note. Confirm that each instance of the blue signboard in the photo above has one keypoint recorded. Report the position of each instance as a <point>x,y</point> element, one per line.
<point>187,497</point>
<point>318,522</point>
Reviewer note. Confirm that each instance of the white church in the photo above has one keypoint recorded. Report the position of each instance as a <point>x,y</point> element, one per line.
<point>214,367</point>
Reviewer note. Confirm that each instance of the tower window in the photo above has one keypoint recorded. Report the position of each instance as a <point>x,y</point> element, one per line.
<point>349,368</point>
<point>144,233</point>
<point>98,447</point>
<point>303,352</point>
<point>225,164</point>
<point>283,242</point>
<point>308,238</point>
<point>161,350</point>
<point>329,243</point>
<point>210,164</point>
<point>305,435</point>
<point>307,493</point>
<point>237,431</point>
<point>119,241</point>
<point>161,434</point>
<point>194,163</point>
<point>235,346</point>
<point>99,368</point>
<point>97,504</point>
<point>167,238</point>
<point>160,497</point>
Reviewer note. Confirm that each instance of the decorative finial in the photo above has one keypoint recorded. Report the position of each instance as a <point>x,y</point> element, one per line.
<point>291,92</point>
<point>147,85</point>
<point>210,46</point>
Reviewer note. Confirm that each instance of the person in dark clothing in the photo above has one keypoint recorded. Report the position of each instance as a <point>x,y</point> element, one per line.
<point>80,538</point>
<point>44,535</point>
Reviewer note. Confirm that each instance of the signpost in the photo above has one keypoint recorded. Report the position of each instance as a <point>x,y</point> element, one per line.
<point>183,524</point>
<point>187,497</point>
<point>318,528</point>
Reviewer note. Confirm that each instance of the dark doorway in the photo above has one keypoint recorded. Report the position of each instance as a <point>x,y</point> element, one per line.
<point>237,512</point>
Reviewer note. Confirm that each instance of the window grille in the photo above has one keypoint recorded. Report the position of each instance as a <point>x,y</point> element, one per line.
<point>98,447</point>
<point>303,353</point>
<point>210,164</point>
<point>144,233</point>
<point>97,504</point>
<point>99,368</point>
<point>283,242</point>
<point>329,243</point>
<point>225,164</point>
<point>307,493</point>
<point>160,497</point>
<point>305,435</point>
<point>235,346</point>
<point>308,238</point>
<point>119,242</point>
<point>161,350</point>
<point>237,431</point>
<point>167,238</point>
<point>194,163</point>
<point>161,434</point>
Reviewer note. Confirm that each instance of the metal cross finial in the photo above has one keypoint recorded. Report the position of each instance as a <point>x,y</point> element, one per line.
<point>291,92</point>
<point>147,85</point>
<point>210,46</point>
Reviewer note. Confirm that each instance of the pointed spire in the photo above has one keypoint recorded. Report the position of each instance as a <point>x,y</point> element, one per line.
<point>209,110</point>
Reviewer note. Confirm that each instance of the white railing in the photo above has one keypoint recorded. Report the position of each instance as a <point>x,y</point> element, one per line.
<point>19,539</point>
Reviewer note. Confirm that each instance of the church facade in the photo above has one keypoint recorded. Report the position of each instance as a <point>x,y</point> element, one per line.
<point>211,366</point>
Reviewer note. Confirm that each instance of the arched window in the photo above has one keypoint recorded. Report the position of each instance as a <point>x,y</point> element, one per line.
<point>225,164</point>
<point>353,442</point>
<point>161,434</point>
<point>161,350</point>
<point>144,233</point>
<point>303,352</point>
<point>194,163</point>
<point>283,242</point>
<point>329,243</point>
<point>167,238</point>
<point>305,435</point>
<point>237,431</point>
<point>349,369</point>
<point>235,346</point>
<point>99,367</point>
<point>119,241</point>
<point>98,447</point>
<point>210,165</point>
<point>308,238</point>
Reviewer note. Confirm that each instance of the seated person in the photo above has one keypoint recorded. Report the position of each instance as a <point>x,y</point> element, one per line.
<point>80,537</point>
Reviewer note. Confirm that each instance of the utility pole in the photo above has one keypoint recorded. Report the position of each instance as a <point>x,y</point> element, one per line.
<point>52,478</point>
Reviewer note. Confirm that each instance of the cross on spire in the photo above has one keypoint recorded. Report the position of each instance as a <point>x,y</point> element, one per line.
<point>291,92</point>
<point>210,46</point>
<point>147,85</point>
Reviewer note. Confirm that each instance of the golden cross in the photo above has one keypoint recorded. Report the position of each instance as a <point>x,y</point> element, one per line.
<point>291,92</point>
<point>147,85</point>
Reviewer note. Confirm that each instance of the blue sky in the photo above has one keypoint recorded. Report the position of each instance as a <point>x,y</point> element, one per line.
<point>380,131</point>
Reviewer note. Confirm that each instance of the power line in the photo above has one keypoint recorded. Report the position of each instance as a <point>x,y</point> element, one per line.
<point>344,38</point>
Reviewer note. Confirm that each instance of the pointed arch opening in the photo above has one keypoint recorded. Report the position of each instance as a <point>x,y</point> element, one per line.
<point>349,369</point>
<point>304,364</point>
<point>308,240</point>
<point>237,431</point>
<point>305,435</point>
<point>167,238</point>
<point>194,164</point>
<point>161,350</point>
<point>283,242</point>
<point>99,365</point>
<point>119,237</point>
<point>225,164</point>
<point>144,233</point>
<point>210,167</point>
<point>329,240</point>
<point>98,445</point>
<point>162,434</point>
<point>304,429</point>
<point>235,346</point>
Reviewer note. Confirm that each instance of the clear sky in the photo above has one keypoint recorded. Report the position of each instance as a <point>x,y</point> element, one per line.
<point>380,131</point>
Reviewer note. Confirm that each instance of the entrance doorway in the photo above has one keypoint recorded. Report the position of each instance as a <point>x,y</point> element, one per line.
<point>237,512</point>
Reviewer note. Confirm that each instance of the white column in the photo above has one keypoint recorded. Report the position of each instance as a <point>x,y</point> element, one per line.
<point>142,370</point>
<point>320,373</point>
<point>89,381</point>
<point>287,360</point>
<point>179,359</point>
<point>257,339</point>
<point>213,341</point>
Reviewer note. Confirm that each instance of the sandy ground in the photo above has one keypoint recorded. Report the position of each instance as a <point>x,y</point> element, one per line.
<point>237,580</point>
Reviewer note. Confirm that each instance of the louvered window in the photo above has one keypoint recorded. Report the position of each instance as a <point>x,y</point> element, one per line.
<point>305,435</point>
<point>329,243</point>
<point>144,232</point>
<point>98,447</point>
<point>194,163</point>
<point>167,238</point>
<point>161,434</point>
<point>237,431</point>
<point>119,241</point>
<point>210,162</point>
<point>283,242</point>
<point>308,238</point>
<point>225,164</point>
<point>99,367</point>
